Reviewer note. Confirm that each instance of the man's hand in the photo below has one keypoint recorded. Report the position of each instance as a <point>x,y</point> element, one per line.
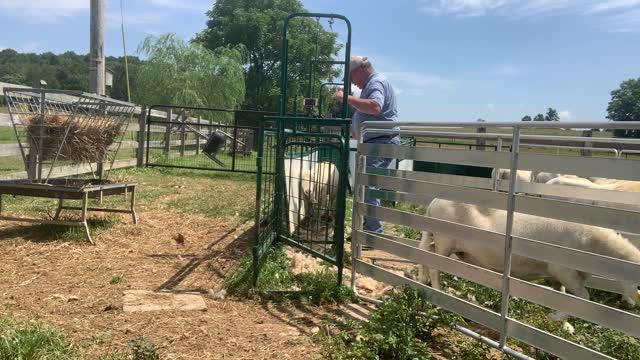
<point>339,95</point>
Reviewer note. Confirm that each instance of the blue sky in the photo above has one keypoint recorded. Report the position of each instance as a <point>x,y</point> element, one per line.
<point>449,60</point>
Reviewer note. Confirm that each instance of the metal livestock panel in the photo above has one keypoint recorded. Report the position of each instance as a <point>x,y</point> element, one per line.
<point>411,187</point>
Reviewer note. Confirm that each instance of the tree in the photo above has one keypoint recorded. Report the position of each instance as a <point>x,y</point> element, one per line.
<point>257,26</point>
<point>538,117</point>
<point>526,118</point>
<point>552,115</point>
<point>625,106</point>
<point>189,74</point>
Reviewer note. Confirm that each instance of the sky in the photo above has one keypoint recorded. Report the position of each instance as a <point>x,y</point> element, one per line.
<point>448,60</point>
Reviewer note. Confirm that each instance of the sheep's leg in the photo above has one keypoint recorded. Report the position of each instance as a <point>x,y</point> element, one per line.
<point>425,244</point>
<point>631,294</point>
<point>573,281</point>
<point>442,247</point>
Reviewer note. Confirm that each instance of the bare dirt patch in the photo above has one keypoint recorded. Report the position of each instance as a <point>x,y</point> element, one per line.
<point>79,289</point>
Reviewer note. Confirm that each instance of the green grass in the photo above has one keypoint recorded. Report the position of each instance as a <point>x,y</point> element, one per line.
<point>118,279</point>
<point>33,341</point>
<point>607,341</point>
<point>314,288</point>
<point>402,327</point>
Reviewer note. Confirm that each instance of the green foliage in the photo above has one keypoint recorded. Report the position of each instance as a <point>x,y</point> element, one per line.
<point>316,288</point>
<point>118,279</point>
<point>538,117</point>
<point>32,341</point>
<point>552,115</point>
<point>257,26</point>
<point>68,71</point>
<point>75,233</point>
<point>625,106</point>
<point>176,72</point>
<point>526,118</point>
<point>469,349</point>
<point>143,348</point>
<point>400,328</point>
<point>609,342</point>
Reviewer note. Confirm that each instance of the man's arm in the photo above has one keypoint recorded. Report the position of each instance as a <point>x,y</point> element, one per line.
<point>367,106</point>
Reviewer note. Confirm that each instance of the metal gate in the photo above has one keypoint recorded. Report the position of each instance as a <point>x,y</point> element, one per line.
<point>520,202</point>
<point>202,138</point>
<point>301,187</point>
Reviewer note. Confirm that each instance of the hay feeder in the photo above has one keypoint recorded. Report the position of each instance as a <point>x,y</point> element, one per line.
<point>73,130</point>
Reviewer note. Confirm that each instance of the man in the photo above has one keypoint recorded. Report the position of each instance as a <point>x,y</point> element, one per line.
<point>377,102</point>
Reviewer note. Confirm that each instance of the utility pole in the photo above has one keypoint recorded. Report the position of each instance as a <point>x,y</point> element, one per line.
<point>96,49</point>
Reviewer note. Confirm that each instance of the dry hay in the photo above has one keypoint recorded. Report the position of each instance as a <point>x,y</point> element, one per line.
<point>87,139</point>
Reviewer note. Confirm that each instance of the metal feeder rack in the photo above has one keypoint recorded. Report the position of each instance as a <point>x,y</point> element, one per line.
<point>60,127</point>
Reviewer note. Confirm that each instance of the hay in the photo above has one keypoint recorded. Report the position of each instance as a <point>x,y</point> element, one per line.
<point>88,140</point>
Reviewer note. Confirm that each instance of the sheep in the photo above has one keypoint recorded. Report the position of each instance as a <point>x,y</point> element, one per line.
<point>543,177</point>
<point>577,236</point>
<point>521,175</point>
<point>318,187</point>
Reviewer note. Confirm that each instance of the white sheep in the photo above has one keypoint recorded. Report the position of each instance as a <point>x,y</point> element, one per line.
<point>491,256</point>
<point>319,187</point>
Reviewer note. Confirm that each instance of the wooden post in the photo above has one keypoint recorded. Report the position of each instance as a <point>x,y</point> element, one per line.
<point>587,152</point>
<point>167,133</point>
<point>96,48</point>
<point>198,135</point>
<point>481,142</point>
<point>142,129</point>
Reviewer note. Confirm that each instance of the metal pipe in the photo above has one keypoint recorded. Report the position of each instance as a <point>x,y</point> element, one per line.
<point>511,202</point>
<point>504,136</point>
<point>522,125</point>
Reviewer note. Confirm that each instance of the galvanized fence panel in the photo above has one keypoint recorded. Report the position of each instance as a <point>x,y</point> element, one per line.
<point>203,138</point>
<point>420,188</point>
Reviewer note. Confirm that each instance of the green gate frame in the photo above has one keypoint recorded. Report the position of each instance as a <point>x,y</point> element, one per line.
<point>271,182</point>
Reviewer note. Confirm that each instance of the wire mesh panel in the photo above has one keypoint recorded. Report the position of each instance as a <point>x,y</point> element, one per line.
<point>58,127</point>
<point>304,201</point>
<point>202,138</point>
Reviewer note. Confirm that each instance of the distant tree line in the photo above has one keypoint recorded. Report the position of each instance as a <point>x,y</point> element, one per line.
<point>69,71</point>
<point>552,115</point>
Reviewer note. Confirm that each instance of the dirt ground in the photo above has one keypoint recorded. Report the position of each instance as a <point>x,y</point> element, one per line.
<point>68,285</point>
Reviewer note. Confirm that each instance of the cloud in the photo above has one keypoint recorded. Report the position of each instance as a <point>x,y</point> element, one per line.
<point>414,83</point>
<point>113,19</point>
<point>564,115</point>
<point>44,11</point>
<point>615,15</point>
<point>610,5</point>
<point>186,5</point>
<point>506,70</point>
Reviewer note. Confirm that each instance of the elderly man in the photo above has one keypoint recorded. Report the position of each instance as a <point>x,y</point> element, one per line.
<point>377,102</point>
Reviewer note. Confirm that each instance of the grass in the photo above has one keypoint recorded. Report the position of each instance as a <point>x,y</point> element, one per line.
<point>607,341</point>
<point>402,327</point>
<point>316,288</point>
<point>35,341</point>
<point>118,279</point>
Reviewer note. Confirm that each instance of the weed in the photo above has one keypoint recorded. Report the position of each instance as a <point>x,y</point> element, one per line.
<point>317,288</point>
<point>33,341</point>
<point>143,348</point>
<point>118,279</point>
<point>400,328</point>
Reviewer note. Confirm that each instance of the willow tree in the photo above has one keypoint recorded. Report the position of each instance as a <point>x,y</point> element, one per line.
<point>257,26</point>
<point>180,73</point>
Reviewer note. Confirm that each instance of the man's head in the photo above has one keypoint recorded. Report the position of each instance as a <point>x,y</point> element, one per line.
<point>359,70</point>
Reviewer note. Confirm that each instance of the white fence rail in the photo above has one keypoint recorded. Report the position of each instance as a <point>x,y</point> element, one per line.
<point>621,212</point>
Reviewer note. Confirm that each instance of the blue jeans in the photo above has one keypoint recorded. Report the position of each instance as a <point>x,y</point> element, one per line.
<point>373,224</point>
